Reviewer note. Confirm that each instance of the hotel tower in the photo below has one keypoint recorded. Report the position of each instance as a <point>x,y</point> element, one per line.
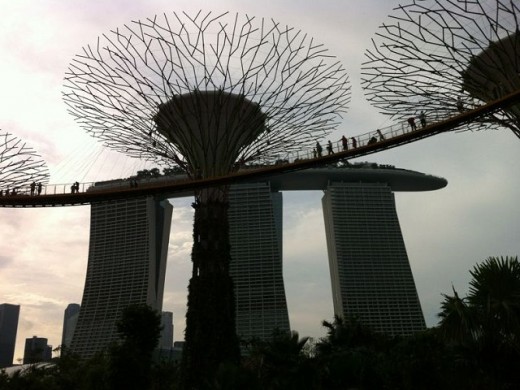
<point>370,272</point>
<point>126,265</point>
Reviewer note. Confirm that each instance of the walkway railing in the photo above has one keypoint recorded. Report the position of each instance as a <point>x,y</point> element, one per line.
<point>387,137</point>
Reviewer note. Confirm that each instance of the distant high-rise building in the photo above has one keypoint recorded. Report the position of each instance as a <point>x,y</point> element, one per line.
<point>37,350</point>
<point>166,340</point>
<point>8,327</point>
<point>255,231</point>
<point>70,318</point>
<point>126,265</point>
<point>370,271</point>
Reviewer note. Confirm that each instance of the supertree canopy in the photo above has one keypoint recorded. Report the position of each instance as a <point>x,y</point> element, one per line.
<point>20,165</point>
<point>182,70</point>
<point>444,56</point>
<point>207,93</point>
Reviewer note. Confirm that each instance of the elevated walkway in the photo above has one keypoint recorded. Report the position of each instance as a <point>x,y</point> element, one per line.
<point>59,194</point>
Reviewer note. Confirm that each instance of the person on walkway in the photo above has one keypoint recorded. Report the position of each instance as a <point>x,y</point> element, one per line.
<point>39,188</point>
<point>381,136</point>
<point>344,142</point>
<point>318,148</point>
<point>33,188</point>
<point>330,149</point>
<point>411,122</point>
<point>314,153</point>
<point>422,118</point>
<point>76,187</point>
<point>354,143</point>
<point>372,140</point>
<point>460,105</point>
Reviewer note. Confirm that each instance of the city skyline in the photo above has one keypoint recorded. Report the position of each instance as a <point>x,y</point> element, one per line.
<point>44,251</point>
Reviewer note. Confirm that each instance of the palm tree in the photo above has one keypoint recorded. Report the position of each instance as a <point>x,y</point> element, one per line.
<point>350,355</point>
<point>492,308</point>
<point>485,325</point>
<point>283,362</point>
<point>344,333</point>
<point>494,293</point>
<point>458,324</point>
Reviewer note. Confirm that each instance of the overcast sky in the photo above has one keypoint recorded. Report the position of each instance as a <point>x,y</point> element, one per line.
<point>43,252</point>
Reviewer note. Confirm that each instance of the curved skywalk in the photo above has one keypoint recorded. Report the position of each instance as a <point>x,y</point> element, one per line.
<point>59,194</point>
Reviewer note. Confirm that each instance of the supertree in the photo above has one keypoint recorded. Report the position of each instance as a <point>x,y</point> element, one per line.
<point>444,56</point>
<point>20,166</point>
<point>207,93</point>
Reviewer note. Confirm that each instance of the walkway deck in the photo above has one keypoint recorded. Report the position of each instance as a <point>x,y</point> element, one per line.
<point>59,194</point>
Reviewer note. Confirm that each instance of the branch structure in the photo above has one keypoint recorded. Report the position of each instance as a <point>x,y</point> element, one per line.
<point>443,56</point>
<point>20,165</point>
<point>185,68</point>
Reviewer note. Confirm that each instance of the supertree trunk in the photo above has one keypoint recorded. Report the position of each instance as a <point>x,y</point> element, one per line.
<point>210,318</point>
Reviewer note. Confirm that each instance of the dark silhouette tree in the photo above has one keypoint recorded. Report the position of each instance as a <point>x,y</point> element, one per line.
<point>350,355</point>
<point>131,359</point>
<point>484,326</point>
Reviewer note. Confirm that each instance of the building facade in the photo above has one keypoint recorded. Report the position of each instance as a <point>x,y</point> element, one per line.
<point>126,265</point>
<point>70,319</point>
<point>255,231</point>
<point>370,271</point>
<point>9,315</point>
<point>166,339</point>
<point>37,350</point>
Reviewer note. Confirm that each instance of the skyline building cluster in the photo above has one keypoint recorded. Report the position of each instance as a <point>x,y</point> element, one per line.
<point>370,271</point>
<point>37,349</point>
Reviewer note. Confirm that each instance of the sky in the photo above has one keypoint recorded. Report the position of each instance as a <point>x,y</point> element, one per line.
<point>43,252</point>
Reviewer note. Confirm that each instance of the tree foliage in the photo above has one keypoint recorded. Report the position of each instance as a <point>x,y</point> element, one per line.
<point>131,359</point>
<point>484,326</point>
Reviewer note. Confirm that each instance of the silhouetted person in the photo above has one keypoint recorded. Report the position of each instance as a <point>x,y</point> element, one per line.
<point>411,122</point>
<point>314,153</point>
<point>76,187</point>
<point>381,136</point>
<point>460,105</point>
<point>330,149</point>
<point>39,188</point>
<point>33,188</point>
<point>422,118</point>
<point>344,143</point>
<point>354,142</point>
<point>318,148</point>
<point>372,140</point>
